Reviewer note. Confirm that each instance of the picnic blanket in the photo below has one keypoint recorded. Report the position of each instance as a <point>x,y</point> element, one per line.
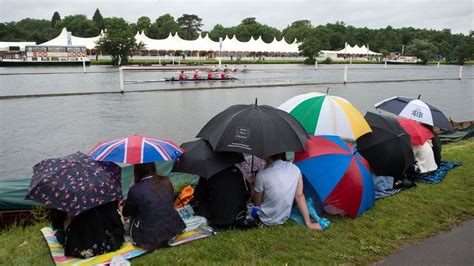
<point>384,186</point>
<point>127,251</point>
<point>437,176</point>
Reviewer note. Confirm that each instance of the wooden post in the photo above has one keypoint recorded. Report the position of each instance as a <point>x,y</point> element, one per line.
<point>345,74</point>
<point>438,64</point>
<point>385,64</point>
<point>315,64</point>
<point>84,64</point>
<point>121,79</point>
<point>460,72</point>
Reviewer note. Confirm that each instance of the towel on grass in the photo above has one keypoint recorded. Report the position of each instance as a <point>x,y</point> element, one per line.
<point>437,176</point>
<point>127,251</point>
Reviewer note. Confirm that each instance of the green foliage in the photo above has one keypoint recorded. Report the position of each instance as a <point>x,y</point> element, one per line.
<point>55,19</point>
<point>422,49</point>
<point>143,23</point>
<point>249,28</point>
<point>191,25</point>
<point>98,19</point>
<point>118,41</point>
<point>317,40</point>
<point>162,27</point>
<point>80,26</point>
<point>297,31</point>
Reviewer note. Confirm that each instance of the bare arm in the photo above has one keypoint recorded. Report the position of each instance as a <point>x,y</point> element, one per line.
<point>257,197</point>
<point>303,208</point>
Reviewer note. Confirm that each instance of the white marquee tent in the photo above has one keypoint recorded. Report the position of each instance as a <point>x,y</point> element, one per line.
<point>175,43</point>
<point>354,52</point>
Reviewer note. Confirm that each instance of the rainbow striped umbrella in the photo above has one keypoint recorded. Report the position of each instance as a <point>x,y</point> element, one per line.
<point>336,174</point>
<point>322,114</point>
<point>135,149</point>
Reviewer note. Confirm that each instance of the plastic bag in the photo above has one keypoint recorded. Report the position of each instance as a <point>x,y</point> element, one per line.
<point>118,260</point>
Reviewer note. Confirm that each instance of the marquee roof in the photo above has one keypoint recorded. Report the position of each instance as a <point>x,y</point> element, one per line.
<point>204,43</point>
<point>63,40</point>
<point>353,50</point>
<point>174,43</point>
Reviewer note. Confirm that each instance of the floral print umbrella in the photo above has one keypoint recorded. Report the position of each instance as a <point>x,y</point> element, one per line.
<point>75,183</point>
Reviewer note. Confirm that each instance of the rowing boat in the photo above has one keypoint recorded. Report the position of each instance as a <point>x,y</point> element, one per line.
<point>198,80</point>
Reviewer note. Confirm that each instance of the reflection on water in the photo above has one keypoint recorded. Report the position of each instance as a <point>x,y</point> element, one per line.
<point>37,128</point>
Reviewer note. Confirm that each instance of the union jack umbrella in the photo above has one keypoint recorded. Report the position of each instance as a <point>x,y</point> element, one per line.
<point>136,149</point>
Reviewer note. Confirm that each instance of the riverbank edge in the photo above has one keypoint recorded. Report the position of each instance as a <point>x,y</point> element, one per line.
<point>250,62</point>
<point>395,222</point>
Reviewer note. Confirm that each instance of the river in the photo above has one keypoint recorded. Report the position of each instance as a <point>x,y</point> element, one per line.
<point>32,129</point>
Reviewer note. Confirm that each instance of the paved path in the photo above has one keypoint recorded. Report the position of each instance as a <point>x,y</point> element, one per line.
<point>455,247</point>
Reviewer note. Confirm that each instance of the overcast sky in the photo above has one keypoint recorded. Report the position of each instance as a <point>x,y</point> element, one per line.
<point>456,15</point>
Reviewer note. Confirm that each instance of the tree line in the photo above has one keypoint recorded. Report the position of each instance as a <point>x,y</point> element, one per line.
<point>426,44</point>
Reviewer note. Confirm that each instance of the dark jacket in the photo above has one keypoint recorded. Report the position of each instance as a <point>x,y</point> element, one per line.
<point>86,235</point>
<point>153,217</point>
<point>222,197</point>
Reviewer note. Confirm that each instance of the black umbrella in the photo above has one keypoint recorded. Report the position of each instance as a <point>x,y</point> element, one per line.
<point>75,183</point>
<point>200,159</point>
<point>387,148</point>
<point>260,130</point>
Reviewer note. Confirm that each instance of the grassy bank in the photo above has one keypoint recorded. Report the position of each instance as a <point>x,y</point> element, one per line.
<point>394,222</point>
<point>206,62</point>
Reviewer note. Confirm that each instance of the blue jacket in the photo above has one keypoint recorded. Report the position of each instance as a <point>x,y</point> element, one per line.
<point>153,217</point>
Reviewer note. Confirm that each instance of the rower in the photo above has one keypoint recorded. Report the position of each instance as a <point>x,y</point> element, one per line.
<point>244,69</point>
<point>223,75</point>
<point>234,68</point>
<point>225,68</point>
<point>181,75</point>
<point>196,74</point>
<point>209,75</point>
<point>214,69</point>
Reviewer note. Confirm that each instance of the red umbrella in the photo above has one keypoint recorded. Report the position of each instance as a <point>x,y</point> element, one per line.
<point>418,133</point>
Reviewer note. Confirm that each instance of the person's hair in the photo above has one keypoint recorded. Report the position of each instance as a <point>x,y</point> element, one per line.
<point>143,170</point>
<point>161,181</point>
<point>279,156</point>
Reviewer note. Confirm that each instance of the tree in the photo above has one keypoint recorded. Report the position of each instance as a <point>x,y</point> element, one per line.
<point>55,19</point>
<point>316,41</point>
<point>98,19</point>
<point>143,23</point>
<point>163,26</point>
<point>216,32</point>
<point>191,24</point>
<point>298,30</point>
<point>80,26</point>
<point>119,40</point>
<point>422,49</point>
<point>249,28</point>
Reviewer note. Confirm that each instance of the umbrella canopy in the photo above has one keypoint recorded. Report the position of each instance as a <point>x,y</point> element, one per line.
<point>338,175</point>
<point>75,183</point>
<point>322,114</point>
<point>387,148</point>
<point>418,133</point>
<point>135,149</point>
<point>200,159</point>
<point>259,130</point>
<point>415,109</point>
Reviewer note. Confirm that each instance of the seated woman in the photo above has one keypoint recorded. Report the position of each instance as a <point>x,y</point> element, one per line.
<point>424,158</point>
<point>91,233</point>
<point>221,197</point>
<point>149,203</point>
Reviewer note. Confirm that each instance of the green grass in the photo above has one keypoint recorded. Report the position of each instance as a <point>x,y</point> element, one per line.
<point>394,222</point>
<point>206,62</point>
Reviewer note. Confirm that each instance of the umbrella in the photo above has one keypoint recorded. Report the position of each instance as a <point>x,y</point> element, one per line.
<point>387,148</point>
<point>259,130</point>
<point>415,109</point>
<point>75,183</point>
<point>201,160</point>
<point>135,149</point>
<point>418,133</point>
<point>322,114</point>
<point>338,174</point>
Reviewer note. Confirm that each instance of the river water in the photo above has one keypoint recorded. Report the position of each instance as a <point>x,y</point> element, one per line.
<point>32,129</point>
